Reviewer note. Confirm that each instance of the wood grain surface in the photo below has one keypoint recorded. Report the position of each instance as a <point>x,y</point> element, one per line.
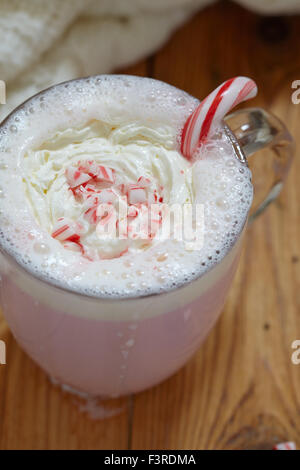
<point>241,390</point>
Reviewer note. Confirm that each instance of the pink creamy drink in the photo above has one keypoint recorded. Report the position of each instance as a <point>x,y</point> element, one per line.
<point>111,316</point>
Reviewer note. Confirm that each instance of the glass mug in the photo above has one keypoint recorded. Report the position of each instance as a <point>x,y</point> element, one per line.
<point>69,334</point>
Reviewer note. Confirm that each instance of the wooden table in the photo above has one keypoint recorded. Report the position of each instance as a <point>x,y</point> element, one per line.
<point>241,389</point>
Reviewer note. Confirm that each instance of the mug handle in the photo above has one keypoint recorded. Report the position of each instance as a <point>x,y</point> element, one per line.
<point>260,132</point>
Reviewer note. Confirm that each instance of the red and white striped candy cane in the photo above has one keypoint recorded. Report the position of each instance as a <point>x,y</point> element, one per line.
<point>208,116</point>
<point>90,204</point>
<point>107,196</point>
<point>144,182</point>
<point>105,174</point>
<point>66,230</point>
<point>285,446</point>
<point>137,195</point>
<point>76,177</point>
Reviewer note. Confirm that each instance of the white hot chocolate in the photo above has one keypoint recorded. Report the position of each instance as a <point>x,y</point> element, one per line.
<point>129,126</point>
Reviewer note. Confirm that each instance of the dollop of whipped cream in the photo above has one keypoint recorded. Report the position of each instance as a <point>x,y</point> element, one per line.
<point>131,152</point>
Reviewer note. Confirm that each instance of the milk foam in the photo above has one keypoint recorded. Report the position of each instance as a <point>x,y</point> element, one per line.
<point>144,115</point>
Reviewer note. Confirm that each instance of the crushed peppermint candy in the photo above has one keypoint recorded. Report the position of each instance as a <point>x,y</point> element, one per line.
<point>96,186</point>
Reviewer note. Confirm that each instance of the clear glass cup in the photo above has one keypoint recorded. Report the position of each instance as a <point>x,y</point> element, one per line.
<point>69,335</point>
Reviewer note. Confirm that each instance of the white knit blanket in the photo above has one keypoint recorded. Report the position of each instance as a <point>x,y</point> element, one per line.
<point>43,42</point>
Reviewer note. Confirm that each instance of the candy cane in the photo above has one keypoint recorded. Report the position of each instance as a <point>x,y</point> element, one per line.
<point>76,177</point>
<point>99,172</point>
<point>105,174</point>
<point>285,446</point>
<point>139,226</point>
<point>132,211</point>
<point>66,230</point>
<point>90,205</point>
<point>94,186</point>
<point>76,247</point>
<point>208,116</point>
<point>106,227</point>
<point>144,182</point>
<point>88,170</point>
<point>107,196</point>
<point>137,195</point>
<point>90,167</point>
